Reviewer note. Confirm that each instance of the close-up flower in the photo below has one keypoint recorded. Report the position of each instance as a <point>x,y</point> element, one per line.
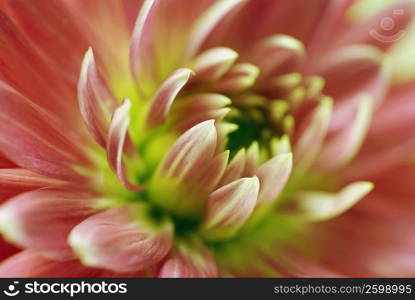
<point>208,138</point>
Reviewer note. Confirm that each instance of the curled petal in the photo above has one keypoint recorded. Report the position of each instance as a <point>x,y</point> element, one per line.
<point>229,207</point>
<point>138,44</point>
<point>189,260</point>
<point>95,99</point>
<point>273,175</point>
<point>214,63</point>
<point>42,219</point>
<point>162,101</point>
<point>320,206</point>
<point>117,138</point>
<point>123,239</point>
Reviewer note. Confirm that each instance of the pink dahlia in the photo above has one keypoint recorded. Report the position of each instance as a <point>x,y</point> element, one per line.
<point>176,138</point>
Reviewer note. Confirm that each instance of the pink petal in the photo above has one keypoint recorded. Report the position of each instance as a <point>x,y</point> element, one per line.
<point>42,219</point>
<point>191,151</point>
<point>34,140</point>
<point>199,103</point>
<point>273,175</point>
<point>234,169</point>
<point>312,133</point>
<point>277,55</point>
<point>117,138</point>
<point>138,44</point>
<point>15,181</point>
<point>162,101</point>
<point>389,142</point>
<point>189,260</point>
<point>207,22</point>
<point>28,72</point>
<point>352,70</point>
<point>123,239</point>
<point>95,99</point>
<point>342,147</point>
<point>242,76</point>
<point>229,207</point>
<point>251,160</point>
<point>217,115</point>
<point>30,264</point>
<point>213,63</point>
<point>208,177</point>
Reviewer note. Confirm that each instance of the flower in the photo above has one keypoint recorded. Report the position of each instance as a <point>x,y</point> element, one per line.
<point>229,138</point>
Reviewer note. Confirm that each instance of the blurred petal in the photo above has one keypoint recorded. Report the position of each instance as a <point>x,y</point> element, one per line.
<point>123,239</point>
<point>15,181</point>
<point>320,206</point>
<point>30,264</point>
<point>189,260</point>
<point>34,140</point>
<point>42,219</point>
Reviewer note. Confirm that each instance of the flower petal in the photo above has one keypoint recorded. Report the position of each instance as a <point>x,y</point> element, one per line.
<point>277,55</point>
<point>207,22</point>
<point>344,146</point>
<point>123,239</point>
<point>273,175</point>
<point>31,138</point>
<point>213,63</point>
<point>207,178</point>
<point>312,134</point>
<point>162,101</point>
<point>235,168</point>
<point>191,151</point>
<point>189,260</point>
<point>42,219</point>
<point>30,264</point>
<point>137,48</point>
<point>15,181</point>
<point>320,206</point>
<point>96,101</point>
<point>242,76</point>
<point>229,207</point>
<point>117,139</point>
